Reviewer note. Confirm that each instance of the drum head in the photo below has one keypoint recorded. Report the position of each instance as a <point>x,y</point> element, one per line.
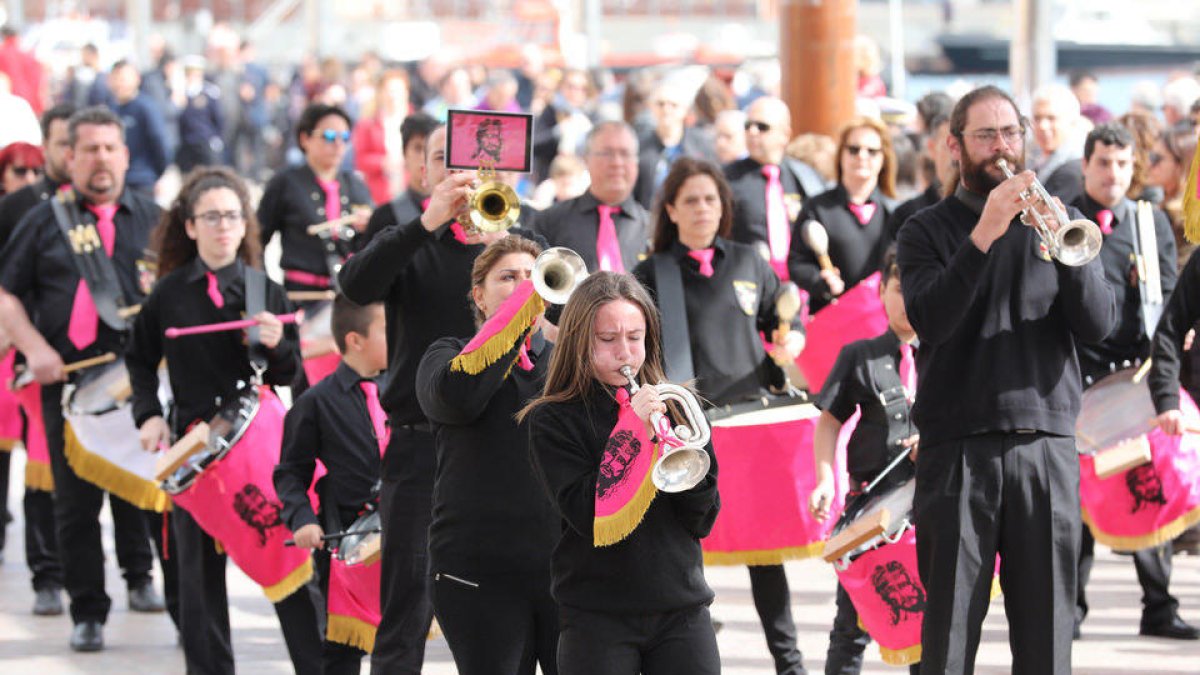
<point>90,392</point>
<point>232,420</point>
<point>1113,410</point>
<point>361,543</point>
<point>767,410</point>
<point>898,500</point>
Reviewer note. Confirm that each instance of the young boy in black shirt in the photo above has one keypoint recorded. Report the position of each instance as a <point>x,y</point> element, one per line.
<point>340,422</point>
<point>878,376</point>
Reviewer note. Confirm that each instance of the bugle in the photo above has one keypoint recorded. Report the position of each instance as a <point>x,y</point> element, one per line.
<point>1071,242</point>
<point>684,463</point>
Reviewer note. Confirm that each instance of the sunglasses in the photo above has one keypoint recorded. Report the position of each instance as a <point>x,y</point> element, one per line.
<point>761,127</point>
<point>26,170</point>
<point>332,136</point>
<point>858,150</point>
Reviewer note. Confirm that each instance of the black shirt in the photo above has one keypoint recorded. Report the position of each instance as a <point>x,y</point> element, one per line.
<point>725,313</point>
<point>490,514</point>
<point>328,422</point>
<point>1128,340</point>
<point>749,187</point>
<point>405,208</point>
<point>37,266</point>
<point>1179,316</point>
<point>13,207</point>
<point>1066,182</point>
<point>931,196</point>
<point>576,222</point>
<point>202,368</point>
<point>866,376</point>
<point>293,201</point>
<point>855,249</point>
<point>659,567</point>
<point>997,329</point>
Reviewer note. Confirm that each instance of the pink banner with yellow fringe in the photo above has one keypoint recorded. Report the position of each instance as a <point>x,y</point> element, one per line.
<point>37,466</point>
<point>856,315</point>
<point>10,409</point>
<point>353,604</point>
<point>624,489</point>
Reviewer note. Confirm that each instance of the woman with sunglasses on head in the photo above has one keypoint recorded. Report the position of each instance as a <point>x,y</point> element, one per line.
<point>21,164</point>
<point>1170,160</point>
<point>853,214</point>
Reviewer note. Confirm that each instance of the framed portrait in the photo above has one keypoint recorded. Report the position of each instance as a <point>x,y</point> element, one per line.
<point>476,138</point>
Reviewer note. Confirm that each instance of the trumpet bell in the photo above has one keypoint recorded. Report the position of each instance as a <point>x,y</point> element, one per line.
<point>556,274</point>
<point>495,207</point>
<point>681,469</point>
<point>1079,242</point>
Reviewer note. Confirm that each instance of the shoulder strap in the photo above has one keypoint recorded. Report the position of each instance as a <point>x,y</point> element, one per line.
<point>256,301</point>
<point>1149,274</point>
<point>677,344</point>
<point>91,261</point>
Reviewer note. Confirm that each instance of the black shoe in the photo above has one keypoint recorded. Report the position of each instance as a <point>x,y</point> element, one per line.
<point>1175,629</point>
<point>144,598</point>
<point>88,636</point>
<point>47,602</point>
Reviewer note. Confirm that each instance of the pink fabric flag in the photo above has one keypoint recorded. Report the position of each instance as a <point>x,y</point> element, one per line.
<point>857,314</point>
<point>624,490</point>
<point>887,592</point>
<point>37,468</point>
<point>353,604</point>
<point>10,409</point>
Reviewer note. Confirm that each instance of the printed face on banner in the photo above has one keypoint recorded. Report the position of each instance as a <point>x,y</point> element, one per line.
<point>257,510</point>
<point>1145,486</point>
<point>619,453</point>
<point>896,588</point>
<point>500,141</point>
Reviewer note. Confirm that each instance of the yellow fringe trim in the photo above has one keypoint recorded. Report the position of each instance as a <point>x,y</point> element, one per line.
<point>609,530</point>
<point>7,444</point>
<point>996,590</point>
<point>291,583</point>
<point>765,557</point>
<point>347,630</point>
<point>475,361</point>
<point>39,477</point>
<point>435,630</point>
<point>1191,202</point>
<point>1158,537</point>
<point>95,469</point>
<point>900,657</point>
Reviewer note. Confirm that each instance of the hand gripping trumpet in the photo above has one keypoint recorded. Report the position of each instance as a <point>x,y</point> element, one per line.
<point>1071,242</point>
<point>684,462</point>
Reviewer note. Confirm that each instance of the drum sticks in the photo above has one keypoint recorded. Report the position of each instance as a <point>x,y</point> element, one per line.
<point>175,332</point>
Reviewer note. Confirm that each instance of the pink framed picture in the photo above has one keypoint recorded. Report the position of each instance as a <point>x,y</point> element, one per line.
<point>475,138</point>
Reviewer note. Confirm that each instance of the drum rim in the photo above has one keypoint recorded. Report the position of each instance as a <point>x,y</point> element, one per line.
<point>174,487</point>
<point>731,410</point>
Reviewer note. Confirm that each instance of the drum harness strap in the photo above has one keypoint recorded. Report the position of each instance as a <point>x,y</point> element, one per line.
<point>677,345</point>
<point>91,261</point>
<point>256,301</point>
<point>1145,250</point>
<point>894,400</point>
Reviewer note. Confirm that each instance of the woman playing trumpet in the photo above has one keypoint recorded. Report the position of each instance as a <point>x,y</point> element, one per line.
<point>627,570</point>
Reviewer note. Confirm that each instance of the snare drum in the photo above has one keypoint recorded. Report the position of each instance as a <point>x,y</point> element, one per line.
<point>317,346</point>
<point>353,603</point>
<point>100,440</point>
<point>226,485</point>
<point>764,450</point>
<point>361,545</point>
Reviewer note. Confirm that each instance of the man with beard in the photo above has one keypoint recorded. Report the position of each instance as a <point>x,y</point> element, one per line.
<point>997,396</point>
<point>37,267</point>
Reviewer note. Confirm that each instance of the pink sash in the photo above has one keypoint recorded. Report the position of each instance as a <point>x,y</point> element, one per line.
<point>353,604</point>
<point>857,314</point>
<point>37,467</point>
<point>624,489</point>
<point>10,409</point>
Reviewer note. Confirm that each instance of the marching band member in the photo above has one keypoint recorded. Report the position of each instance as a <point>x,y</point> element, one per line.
<point>997,396</point>
<point>877,376</point>
<point>39,268</point>
<point>1107,173</point>
<point>629,582</point>
<point>410,204</point>
<point>207,252</point>
<point>853,213</point>
<point>339,422</point>
<point>493,528</point>
<point>723,283</point>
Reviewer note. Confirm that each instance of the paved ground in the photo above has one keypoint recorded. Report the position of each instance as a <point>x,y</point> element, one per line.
<point>144,644</point>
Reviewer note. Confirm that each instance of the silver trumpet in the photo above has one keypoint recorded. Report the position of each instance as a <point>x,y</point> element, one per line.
<point>1072,242</point>
<point>556,274</point>
<point>682,468</point>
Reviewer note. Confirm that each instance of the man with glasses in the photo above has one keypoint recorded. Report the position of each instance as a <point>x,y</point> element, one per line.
<point>606,226</point>
<point>998,391</point>
<point>768,187</point>
<point>670,138</point>
<point>38,267</point>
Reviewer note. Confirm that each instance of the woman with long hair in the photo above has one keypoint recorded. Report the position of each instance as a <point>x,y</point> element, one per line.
<point>853,213</point>
<point>627,571</point>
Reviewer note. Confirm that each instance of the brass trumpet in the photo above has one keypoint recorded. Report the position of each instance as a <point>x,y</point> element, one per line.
<point>680,468</point>
<point>1072,242</point>
<point>557,272</point>
<point>492,206</point>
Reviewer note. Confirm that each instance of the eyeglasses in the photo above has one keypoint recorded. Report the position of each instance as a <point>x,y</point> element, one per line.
<point>761,127</point>
<point>26,170</point>
<point>859,149</point>
<point>213,219</point>
<point>988,136</point>
<point>332,136</point>
<point>614,155</point>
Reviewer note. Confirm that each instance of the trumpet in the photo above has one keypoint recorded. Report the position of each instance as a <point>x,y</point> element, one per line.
<point>492,206</point>
<point>557,272</point>
<point>1072,242</point>
<point>685,462</point>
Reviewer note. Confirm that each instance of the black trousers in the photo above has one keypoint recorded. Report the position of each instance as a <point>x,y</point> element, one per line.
<point>847,641</point>
<point>405,511</point>
<point>1016,494</point>
<point>773,602</point>
<point>204,609</point>
<point>41,547</point>
<point>671,643</point>
<point>503,624</point>
<point>1153,566</point>
<point>336,658</point>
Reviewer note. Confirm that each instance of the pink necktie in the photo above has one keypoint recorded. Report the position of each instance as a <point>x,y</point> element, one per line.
<point>608,250</point>
<point>1104,219</point>
<point>864,212</point>
<point>333,201</point>
<point>908,369</point>
<point>84,322</point>
<point>523,361</point>
<point>214,292</point>
<point>378,416</point>
<point>779,231</point>
<point>703,256</point>
<point>425,204</point>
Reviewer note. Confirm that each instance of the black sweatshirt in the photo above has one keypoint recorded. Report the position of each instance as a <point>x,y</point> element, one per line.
<point>659,567</point>
<point>997,329</point>
<point>490,514</point>
<point>1179,316</point>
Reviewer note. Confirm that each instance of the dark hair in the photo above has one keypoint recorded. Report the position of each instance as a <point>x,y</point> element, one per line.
<point>932,106</point>
<point>887,173</point>
<point>62,111</point>
<point>1109,133</point>
<point>349,317</point>
<point>417,125</point>
<point>1078,77</point>
<point>889,268</point>
<point>666,232</point>
<point>315,113</point>
<point>488,258</point>
<point>175,248</point>
<point>958,117</point>
<point>937,121</point>
<point>96,115</point>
